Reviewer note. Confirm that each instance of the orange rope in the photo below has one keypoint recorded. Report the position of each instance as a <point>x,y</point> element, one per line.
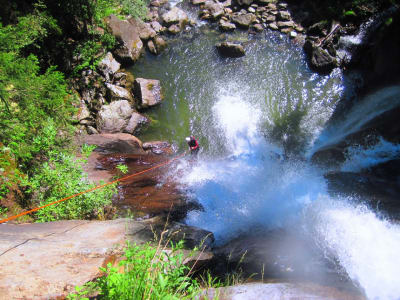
<point>90,190</point>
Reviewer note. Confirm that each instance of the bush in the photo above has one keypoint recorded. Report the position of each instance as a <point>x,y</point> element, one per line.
<point>148,273</point>
<point>60,177</point>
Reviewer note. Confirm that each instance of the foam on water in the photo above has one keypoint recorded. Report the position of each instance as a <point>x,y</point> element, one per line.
<point>366,246</point>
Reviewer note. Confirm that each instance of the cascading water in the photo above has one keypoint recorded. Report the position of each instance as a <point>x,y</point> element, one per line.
<point>242,177</point>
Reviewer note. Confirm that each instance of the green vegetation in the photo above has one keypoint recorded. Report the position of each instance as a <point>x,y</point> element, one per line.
<point>43,43</point>
<point>62,176</point>
<point>122,168</point>
<point>147,272</point>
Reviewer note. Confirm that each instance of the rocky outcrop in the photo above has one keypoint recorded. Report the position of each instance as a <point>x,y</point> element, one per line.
<point>229,49</point>
<point>47,260</point>
<point>130,45</point>
<point>114,117</point>
<point>145,30</point>
<point>147,91</point>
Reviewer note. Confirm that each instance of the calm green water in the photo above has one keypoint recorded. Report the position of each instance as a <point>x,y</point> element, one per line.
<point>273,78</point>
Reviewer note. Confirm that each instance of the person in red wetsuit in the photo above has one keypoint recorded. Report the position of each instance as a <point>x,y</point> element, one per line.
<point>193,145</point>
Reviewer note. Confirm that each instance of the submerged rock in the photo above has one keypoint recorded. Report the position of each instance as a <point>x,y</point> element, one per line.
<point>229,49</point>
<point>147,91</point>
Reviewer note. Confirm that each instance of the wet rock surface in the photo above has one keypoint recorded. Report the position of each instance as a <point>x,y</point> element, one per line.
<point>147,91</point>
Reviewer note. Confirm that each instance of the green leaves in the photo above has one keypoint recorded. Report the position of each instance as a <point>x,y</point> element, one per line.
<point>60,177</point>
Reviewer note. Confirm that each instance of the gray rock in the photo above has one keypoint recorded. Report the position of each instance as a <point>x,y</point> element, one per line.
<point>198,2</point>
<point>273,26</point>
<point>147,91</point>
<point>47,260</point>
<point>91,130</point>
<point>118,93</point>
<point>114,117</point>
<point>251,10</point>
<point>258,27</point>
<point>244,20</point>
<point>271,6</point>
<point>145,30</point>
<point>216,10</point>
<point>156,26</point>
<point>226,25</point>
<point>285,24</point>
<point>293,34</point>
<point>175,16</point>
<point>245,2</point>
<point>270,18</point>
<point>229,49</point>
<point>174,29</point>
<point>136,122</point>
<point>192,236</point>
<point>152,47</point>
<point>108,66</point>
<point>131,46</point>
<point>284,15</point>
<point>160,44</point>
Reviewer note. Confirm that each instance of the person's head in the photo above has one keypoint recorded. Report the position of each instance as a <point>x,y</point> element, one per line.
<point>188,139</point>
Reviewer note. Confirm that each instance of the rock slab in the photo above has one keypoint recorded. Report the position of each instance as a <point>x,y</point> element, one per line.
<point>47,260</point>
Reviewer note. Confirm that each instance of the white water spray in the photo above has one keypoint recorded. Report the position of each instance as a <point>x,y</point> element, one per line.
<point>366,246</point>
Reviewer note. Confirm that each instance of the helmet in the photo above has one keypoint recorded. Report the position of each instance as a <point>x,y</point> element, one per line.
<point>187,139</point>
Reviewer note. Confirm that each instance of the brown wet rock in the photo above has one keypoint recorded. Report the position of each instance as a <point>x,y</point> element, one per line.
<point>115,143</point>
<point>152,192</point>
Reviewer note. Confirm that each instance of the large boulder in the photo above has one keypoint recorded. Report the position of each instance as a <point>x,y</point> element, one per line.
<point>109,66</point>
<point>175,16</point>
<point>131,46</point>
<point>47,260</point>
<point>216,10</point>
<point>147,91</point>
<point>244,20</point>
<point>229,49</point>
<point>114,117</point>
<point>145,30</point>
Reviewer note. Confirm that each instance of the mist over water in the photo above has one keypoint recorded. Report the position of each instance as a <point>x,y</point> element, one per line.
<point>242,178</point>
